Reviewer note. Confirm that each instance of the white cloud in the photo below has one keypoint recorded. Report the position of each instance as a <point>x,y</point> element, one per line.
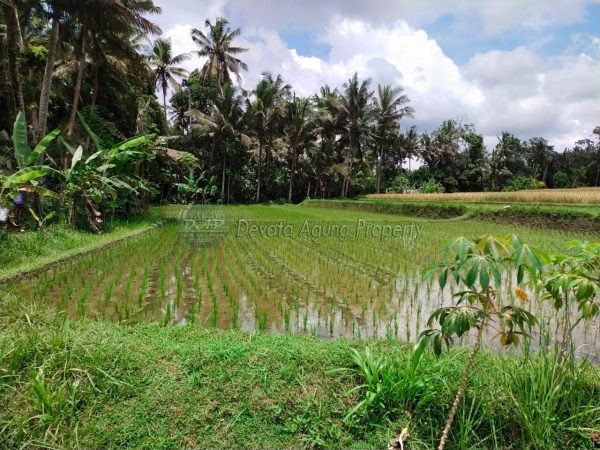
<point>493,17</point>
<point>517,91</point>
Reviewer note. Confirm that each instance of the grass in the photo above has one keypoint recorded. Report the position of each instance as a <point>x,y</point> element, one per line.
<point>88,384</point>
<point>26,252</point>
<point>585,196</point>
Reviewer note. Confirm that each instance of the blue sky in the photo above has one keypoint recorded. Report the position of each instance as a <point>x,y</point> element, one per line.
<point>530,67</point>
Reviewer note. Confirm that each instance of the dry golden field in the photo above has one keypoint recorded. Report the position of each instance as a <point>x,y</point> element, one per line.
<point>589,196</point>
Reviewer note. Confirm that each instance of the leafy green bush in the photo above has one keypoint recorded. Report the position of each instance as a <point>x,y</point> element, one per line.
<point>400,184</point>
<point>432,187</point>
<point>520,184</point>
<point>560,180</point>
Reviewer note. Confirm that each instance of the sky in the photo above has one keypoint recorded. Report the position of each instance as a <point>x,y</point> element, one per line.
<point>530,67</point>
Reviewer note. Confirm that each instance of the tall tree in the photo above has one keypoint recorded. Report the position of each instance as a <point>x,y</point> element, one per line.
<point>266,109</point>
<point>299,133</point>
<point>390,107</point>
<point>540,155</point>
<point>218,49</point>
<point>225,123</point>
<point>358,112</point>
<point>166,67</point>
<point>95,19</point>
<point>14,43</point>
<point>508,158</point>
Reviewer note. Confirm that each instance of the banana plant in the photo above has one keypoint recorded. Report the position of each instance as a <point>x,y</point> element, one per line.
<point>106,175</point>
<point>194,188</point>
<point>26,179</point>
<point>86,181</point>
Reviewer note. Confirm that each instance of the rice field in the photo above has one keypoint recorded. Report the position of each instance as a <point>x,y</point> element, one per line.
<point>280,269</point>
<point>578,196</point>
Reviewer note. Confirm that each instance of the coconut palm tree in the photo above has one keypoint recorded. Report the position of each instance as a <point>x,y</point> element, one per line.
<point>299,132</point>
<point>95,19</point>
<point>358,113</point>
<point>390,107</point>
<point>166,67</point>
<point>217,47</point>
<point>224,124</point>
<point>265,111</point>
<point>540,155</point>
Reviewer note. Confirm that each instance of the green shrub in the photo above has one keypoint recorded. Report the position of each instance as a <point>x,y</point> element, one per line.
<point>520,184</point>
<point>432,187</point>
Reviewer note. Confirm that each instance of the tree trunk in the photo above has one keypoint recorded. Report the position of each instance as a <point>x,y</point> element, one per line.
<point>223,178</point>
<point>379,157</point>
<point>13,43</point>
<point>165,104</point>
<point>258,174</point>
<point>78,82</point>
<point>95,89</point>
<point>228,188</point>
<point>47,81</point>
<point>292,173</point>
<point>462,387</point>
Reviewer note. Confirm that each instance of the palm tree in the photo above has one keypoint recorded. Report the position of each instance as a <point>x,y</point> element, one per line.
<point>329,124</point>
<point>440,149</point>
<point>265,111</point>
<point>96,19</point>
<point>299,133</point>
<point>390,107</point>
<point>507,158</point>
<point>540,157</point>
<point>219,52</point>
<point>224,122</point>
<point>53,14</point>
<point>14,44</point>
<point>358,113</point>
<point>166,67</point>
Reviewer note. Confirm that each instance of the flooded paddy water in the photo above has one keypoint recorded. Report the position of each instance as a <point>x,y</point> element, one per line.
<point>279,270</point>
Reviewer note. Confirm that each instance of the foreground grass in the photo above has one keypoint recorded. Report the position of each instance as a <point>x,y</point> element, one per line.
<point>29,251</point>
<point>588,195</point>
<point>86,384</point>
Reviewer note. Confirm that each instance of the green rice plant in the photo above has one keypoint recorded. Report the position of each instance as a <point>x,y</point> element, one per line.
<point>167,315</point>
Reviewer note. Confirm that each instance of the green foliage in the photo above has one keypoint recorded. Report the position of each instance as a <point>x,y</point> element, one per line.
<point>400,184</point>
<point>521,183</point>
<point>196,188</point>
<point>390,386</point>
<point>23,154</point>
<point>550,402</point>
<point>560,179</point>
<point>432,187</point>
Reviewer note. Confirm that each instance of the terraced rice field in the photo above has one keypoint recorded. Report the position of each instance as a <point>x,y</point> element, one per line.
<point>579,196</point>
<point>279,269</point>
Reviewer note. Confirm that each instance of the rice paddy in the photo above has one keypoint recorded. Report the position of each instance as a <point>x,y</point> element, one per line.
<point>281,269</point>
<point>579,196</point>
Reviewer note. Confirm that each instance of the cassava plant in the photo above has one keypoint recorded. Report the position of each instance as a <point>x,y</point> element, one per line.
<point>477,269</point>
<point>572,284</point>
